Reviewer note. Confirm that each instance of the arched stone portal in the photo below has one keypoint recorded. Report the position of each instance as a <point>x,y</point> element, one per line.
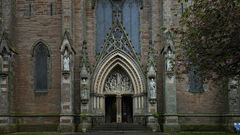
<point>118,82</point>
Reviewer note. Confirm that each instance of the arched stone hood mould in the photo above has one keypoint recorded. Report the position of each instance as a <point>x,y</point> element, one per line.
<point>122,59</point>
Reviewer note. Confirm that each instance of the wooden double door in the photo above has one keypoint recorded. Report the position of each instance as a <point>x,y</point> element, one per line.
<point>119,109</point>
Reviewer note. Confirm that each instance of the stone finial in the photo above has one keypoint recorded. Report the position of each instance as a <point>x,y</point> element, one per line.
<point>84,72</point>
<point>85,75</point>
<point>85,61</point>
<point>151,63</point>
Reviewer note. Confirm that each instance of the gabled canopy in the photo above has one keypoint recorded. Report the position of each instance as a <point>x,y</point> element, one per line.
<point>6,45</point>
<point>169,43</point>
<point>66,43</point>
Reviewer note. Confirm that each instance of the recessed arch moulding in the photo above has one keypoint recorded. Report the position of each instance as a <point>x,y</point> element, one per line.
<point>106,65</point>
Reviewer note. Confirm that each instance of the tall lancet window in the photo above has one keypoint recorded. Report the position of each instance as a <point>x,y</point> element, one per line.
<point>127,11</point>
<point>41,56</point>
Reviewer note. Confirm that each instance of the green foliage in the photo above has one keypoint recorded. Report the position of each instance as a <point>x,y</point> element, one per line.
<point>202,133</point>
<point>156,115</point>
<point>34,133</point>
<point>210,38</point>
<point>83,116</point>
<point>182,133</point>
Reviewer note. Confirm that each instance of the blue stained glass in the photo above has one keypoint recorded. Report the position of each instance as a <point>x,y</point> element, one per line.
<point>131,22</point>
<point>104,21</point>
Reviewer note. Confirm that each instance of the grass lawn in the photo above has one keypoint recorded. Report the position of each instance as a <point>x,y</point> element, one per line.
<point>33,133</point>
<point>203,133</point>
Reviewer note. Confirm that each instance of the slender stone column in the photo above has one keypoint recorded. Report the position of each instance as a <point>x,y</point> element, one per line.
<point>170,95</point>
<point>7,16</point>
<point>67,16</point>
<point>85,121</point>
<point>152,121</point>
<point>233,96</point>
<point>67,78</point>
<point>4,96</point>
<point>6,75</point>
<point>67,68</point>
<point>119,108</point>
<point>171,118</point>
<point>233,101</point>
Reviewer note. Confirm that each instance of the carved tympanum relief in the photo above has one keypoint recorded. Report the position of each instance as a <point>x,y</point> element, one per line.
<point>118,82</point>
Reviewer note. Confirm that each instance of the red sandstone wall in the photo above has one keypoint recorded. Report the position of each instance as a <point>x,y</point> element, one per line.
<point>28,30</point>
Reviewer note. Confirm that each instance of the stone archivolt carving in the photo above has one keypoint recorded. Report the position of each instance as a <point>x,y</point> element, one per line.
<point>118,82</point>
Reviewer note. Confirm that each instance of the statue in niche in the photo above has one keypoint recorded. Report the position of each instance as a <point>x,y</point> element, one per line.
<point>66,61</point>
<point>84,94</point>
<point>169,53</point>
<point>169,64</point>
<point>118,82</point>
<point>152,88</point>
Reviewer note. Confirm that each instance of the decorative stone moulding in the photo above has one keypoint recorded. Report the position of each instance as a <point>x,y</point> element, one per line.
<point>85,75</point>
<point>66,74</point>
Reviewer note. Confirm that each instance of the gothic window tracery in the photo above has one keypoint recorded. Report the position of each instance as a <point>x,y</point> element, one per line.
<point>126,11</point>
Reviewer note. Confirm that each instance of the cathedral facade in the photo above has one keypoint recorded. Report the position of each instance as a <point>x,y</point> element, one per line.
<point>72,65</point>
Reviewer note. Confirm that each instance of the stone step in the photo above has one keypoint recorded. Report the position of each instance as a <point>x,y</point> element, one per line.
<point>119,127</point>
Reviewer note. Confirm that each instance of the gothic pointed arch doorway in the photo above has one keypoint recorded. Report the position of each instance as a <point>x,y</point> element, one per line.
<point>118,91</point>
<point>118,79</point>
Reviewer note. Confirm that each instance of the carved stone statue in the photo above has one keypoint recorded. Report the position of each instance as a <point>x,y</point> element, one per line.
<point>152,89</point>
<point>66,61</point>
<point>169,64</point>
<point>84,94</point>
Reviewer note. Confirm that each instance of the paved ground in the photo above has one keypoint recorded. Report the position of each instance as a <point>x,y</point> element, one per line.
<point>118,133</point>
